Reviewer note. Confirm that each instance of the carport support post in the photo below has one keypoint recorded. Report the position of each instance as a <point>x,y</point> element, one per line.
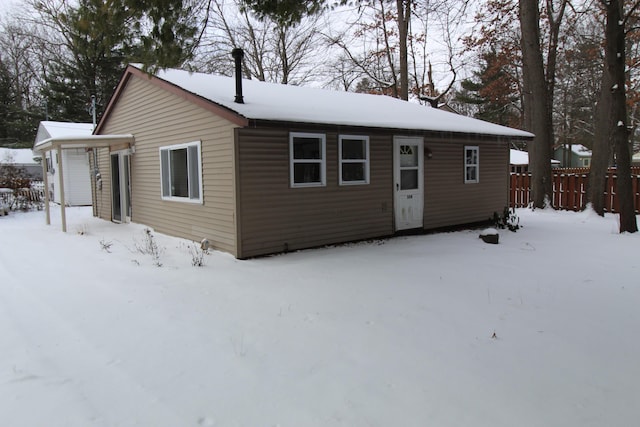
<point>61,184</point>
<point>46,187</point>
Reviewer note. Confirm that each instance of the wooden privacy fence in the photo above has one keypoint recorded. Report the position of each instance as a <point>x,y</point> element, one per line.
<point>570,188</point>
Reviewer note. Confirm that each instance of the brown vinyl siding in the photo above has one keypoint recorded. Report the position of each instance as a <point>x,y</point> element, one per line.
<point>275,217</point>
<point>158,118</point>
<point>448,200</point>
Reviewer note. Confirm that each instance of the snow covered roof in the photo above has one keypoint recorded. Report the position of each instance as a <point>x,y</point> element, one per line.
<point>518,157</point>
<point>49,130</point>
<point>581,150</point>
<point>277,102</point>
<point>64,129</point>
<point>79,141</point>
<point>20,156</point>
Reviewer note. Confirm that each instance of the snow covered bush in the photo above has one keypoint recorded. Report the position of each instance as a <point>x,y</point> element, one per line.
<point>197,255</point>
<point>149,246</point>
<point>509,219</point>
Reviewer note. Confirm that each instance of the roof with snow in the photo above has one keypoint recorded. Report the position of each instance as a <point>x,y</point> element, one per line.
<point>64,129</point>
<point>278,102</point>
<point>581,150</point>
<point>518,158</point>
<point>18,156</point>
<point>50,129</point>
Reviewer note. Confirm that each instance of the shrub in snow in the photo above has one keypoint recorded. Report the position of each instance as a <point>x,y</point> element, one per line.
<point>197,255</point>
<point>18,194</point>
<point>509,219</point>
<point>106,246</point>
<point>149,246</point>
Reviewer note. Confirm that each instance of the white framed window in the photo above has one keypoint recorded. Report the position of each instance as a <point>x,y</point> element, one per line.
<point>586,162</point>
<point>471,164</point>
<point>181,172</point>
<point>353,154</point>
<point>307,159</point>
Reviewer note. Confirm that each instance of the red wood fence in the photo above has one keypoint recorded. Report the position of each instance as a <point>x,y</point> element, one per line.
<point>570,187</point>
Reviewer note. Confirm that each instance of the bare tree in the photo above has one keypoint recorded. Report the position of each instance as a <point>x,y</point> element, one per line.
<point>386,42</point>
<point>539,84</point>
<point>612,134</point>
<point>274,51</point>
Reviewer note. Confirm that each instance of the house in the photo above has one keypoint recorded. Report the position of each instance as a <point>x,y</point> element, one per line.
<point>22,158</point>
<point>76,162</point>
<point>258,168</point>
<point>519,161</point>
<point>635,159</point>
<point>573,156</point>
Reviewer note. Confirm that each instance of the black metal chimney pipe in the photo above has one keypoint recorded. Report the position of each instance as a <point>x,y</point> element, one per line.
<point>238,54</point>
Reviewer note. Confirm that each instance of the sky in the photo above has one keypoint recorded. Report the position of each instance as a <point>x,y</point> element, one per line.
<point>439,329</point>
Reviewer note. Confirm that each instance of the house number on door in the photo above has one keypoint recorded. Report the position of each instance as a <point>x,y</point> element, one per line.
<point>409,196</point>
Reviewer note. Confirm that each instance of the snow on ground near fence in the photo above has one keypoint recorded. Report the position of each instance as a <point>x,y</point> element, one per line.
<point>437,330</point>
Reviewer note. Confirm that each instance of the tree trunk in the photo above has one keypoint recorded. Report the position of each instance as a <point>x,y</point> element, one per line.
<point>602,149</point>
<point>404,14</point>
<point>539,104</point>
<point>611,129</point>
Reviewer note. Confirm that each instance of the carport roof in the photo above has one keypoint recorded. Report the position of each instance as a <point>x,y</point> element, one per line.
<point>88,141</point>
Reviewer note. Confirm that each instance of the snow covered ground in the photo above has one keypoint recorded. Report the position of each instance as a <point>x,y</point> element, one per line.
<point>435,330</point>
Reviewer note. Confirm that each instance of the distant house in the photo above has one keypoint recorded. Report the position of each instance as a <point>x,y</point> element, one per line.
<point>578,156</point>
<point>635,160</point>
<point>77,182</point>
<point>519,161</point>
<point>22,158</point>
<point>257,168</point>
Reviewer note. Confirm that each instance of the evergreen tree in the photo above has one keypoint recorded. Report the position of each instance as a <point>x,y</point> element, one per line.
<point>494,91</point>
<point>101,37</point>
<point>98,36</point>
<point>167,31</point>
<point>17,124</point>
<point>286,12</point>
<point>5,101</point>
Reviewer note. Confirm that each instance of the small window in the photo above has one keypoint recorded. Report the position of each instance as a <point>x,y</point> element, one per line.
<point>471,164</point>
<point>307,154</point>
<point>586,162</point>
<point>181,172</point>
<point>354,159</point>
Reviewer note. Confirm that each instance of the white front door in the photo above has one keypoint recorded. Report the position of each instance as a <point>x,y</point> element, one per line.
<point>408,173</point>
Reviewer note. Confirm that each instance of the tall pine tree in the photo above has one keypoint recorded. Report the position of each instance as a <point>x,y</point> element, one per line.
<point>101,37</point>
<point>494,91</point>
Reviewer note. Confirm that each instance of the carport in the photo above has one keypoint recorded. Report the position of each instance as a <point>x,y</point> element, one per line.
<point>89,143</point>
